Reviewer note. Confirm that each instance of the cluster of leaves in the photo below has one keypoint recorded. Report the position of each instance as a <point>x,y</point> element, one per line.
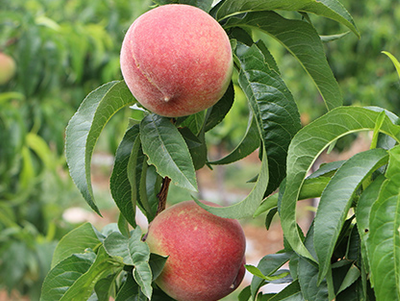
<point>351,249</point>
<point>59,49</point>
<point>358,65</point>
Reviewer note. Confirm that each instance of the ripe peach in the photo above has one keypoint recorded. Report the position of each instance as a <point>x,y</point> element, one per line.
<point>176,60</point>
<point>7,68</point>
<point>205,252</point>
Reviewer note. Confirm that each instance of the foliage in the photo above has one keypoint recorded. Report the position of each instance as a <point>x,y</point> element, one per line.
<point>351,250</point>
<point>62,50</point>
<point>358,65</point>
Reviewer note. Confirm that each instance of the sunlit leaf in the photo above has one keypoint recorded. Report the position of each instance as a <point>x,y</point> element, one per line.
<point>332,9</point>
<point>303,42</point>
<point>77,241</point>
<point>274,110</point>
<point>167,151</point>
<point>336,201</point>
<point>305,148</point>
<point>383,242</point>
<point>85,127</point>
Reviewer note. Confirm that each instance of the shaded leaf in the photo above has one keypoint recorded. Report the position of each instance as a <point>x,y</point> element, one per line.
<point>123,179</point>
<point>249,143</point>
<point>217,112</point>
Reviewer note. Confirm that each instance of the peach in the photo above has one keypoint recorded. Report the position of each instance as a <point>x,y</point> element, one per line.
<point>176,60</point>
<point>7,68</point>
<point>205,252</point>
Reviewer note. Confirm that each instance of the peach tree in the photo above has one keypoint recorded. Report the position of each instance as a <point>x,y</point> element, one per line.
<point>351,250</point>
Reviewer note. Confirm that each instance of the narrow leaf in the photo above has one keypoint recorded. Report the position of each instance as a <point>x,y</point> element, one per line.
<point>248,206</point>
<point>85,127</point>
<point>303,42</point>
<point>249,143</point>
<point>305,148</point>
<point>123,189</point>
<point>311,188</point>
<point>394,61</point>
<point>384,237</point>
<point>367,199</point>
<point>268,265</point>
<point>217,112</point>
<point>167,151</point>
<point>292,292</point>
<point>273,107</point>
<point>336,200</point>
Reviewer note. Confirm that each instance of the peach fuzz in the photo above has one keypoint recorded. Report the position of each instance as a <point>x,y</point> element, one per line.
<point>176,60</point>
<point>205,252</point>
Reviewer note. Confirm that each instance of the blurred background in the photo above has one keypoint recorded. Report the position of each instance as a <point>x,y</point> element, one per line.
<point>54,52</point>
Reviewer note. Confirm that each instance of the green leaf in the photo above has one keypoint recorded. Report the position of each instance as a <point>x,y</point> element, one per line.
<point>123,184</point>
<point>308,279</point>
<point>367,198</point>
<point>394,61</point>
<point>383,242</point>
<point>273,107</point>
<point>332,9</point>
<point>292,292</point>
<point>130,291</point>
<point>197,146</point>
<point>194,122</point>
<point>167,151</point>
<point>77,241</point>
<point>305,148</point>
<point>303,42</point>
<point>337,199</point>
<point>217,112</point>
<point>256,272</point>
<point>311,188</point>
<point>143,276</point>
<point>134,252</point>
<point>65,274</point>
<point>157,263</point>
<point>352,276</point>
<point>150,185</point>
<point>249,143</point>
<point>83,287</point>
<point>326,169</point>
<point>268,265</point>
<point>248,206</point>
<point>84,129</point>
